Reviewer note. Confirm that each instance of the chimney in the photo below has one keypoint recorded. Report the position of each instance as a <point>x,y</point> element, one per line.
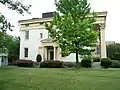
<point>47,15</point>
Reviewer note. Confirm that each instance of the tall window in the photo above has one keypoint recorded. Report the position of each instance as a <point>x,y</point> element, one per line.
<point>41,35</point>
<point>98,50</point>
<point>26,34</point>
<point>25,52</point>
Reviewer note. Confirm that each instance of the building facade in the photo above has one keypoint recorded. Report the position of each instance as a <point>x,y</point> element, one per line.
<point>34,39</point>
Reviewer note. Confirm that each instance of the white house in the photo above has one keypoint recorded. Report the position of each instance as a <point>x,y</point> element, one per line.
<point>34,39</point>
<point>3,57</point>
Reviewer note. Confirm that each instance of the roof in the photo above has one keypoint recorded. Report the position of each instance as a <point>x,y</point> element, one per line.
<point>37,20</point>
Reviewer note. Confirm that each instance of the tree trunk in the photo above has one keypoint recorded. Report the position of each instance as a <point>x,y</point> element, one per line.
<point>77,60</point>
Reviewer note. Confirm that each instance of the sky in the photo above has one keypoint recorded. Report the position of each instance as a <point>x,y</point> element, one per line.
<point>41,6</point>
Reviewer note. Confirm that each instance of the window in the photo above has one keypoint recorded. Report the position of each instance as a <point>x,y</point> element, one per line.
<point>41,35</point>
<point>26,52</point>
<point>98,50</point>
<point>26,34</point>
<point>2,59</point>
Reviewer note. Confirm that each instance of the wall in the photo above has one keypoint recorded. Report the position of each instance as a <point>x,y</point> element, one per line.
<point>33,43</point>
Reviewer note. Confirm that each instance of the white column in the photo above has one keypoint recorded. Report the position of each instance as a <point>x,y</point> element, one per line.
<point>45,53</point>
<point>42,52</point>
<point>103,43</point>
<point>54,53</point>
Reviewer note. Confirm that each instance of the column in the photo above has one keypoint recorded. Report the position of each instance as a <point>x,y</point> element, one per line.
<point>42,52</point>
<point>54,53</point>
<point>102,42</point>
<point>45,53</point>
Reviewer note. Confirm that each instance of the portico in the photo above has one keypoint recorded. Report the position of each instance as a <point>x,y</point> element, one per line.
<point>50,50</point>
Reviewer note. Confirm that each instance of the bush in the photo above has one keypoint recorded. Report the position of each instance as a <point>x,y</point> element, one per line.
<point>68,64</point>
<point>86,62</point>
<point>23,63</point>
<point>96,59</point>
<point>115,64</point>
<point>106,62</point>
<point>51,64</point>
<point>39,58</point>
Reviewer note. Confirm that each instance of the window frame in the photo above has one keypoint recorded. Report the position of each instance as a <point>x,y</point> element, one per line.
<point>26,35</point>
<point>26,53</point>
<point>41,35</point>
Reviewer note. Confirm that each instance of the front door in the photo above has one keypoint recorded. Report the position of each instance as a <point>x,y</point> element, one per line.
<point>51,55</point>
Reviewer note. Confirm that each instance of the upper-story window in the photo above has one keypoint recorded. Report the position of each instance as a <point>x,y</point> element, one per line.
<point>26,34</point>
<point>41,35</point>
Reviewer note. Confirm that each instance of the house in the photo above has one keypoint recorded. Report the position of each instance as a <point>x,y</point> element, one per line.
<point>34,39</point>
<point>3,57</point>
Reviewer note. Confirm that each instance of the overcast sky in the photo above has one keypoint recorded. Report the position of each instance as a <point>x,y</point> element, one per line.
<point>40,6</point>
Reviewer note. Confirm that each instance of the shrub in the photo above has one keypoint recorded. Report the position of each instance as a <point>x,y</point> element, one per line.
<point>24,63</point>
<point>86,62</point>
<point>68,64</point>
<point>106,62</point>
<point>39,58</point>
<point>51,64</point>
<point>96,59</point>
<point>115,64</point>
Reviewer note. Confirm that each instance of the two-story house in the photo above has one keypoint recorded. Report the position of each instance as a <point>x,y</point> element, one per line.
<point>34,39</point>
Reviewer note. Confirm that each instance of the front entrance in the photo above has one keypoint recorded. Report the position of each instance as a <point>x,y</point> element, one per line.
<point>51,55</point>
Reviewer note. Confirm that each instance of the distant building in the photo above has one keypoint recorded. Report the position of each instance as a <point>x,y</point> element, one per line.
<point>3,57</point>
<point>34,39</point>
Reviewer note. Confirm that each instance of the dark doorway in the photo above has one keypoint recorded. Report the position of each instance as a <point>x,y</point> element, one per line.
<point>51,55</point>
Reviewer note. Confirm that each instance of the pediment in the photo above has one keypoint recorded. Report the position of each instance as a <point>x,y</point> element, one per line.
<point>48,40</point>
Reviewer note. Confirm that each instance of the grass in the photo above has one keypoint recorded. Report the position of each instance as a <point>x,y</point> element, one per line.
<point>14,78</point>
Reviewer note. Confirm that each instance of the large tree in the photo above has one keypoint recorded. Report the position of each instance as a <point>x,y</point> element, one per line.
<point>6,41</point>
<point>73,27</point>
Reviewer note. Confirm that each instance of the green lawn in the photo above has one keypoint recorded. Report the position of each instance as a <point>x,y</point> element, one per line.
<point>14,78</point>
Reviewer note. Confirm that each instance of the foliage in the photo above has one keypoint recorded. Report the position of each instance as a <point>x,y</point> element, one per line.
<point>113,51</point>
<point>106,62</point>
<point>6,41</point>
<point>39,58</point>
<point>23,63</point>
<point>12,44</point>
<point>68,64</point>
<point>51,64</point>
<point>13,5</point>
<point>73,28</point>
<point>86,62</point>
<point>115,64</point>
<point>96,59</point>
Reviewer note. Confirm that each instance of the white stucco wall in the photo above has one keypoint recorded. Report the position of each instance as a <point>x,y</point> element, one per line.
<point>70,58</point>
<point>33,43</point>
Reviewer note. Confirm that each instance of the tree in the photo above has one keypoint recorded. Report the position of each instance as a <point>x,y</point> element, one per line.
<point>12,44</point>
<point>113,51</point>
<point>73,27</point>
<point>39,58</point>
<point>13,5</point>
<point>6,41</point>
